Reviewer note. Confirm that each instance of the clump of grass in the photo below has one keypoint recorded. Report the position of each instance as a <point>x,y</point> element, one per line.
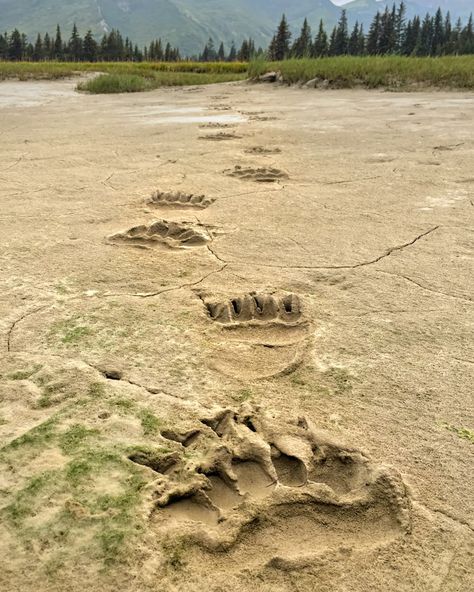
<point>243,395</point>
<point>375,71</point>
<point>150,423</point>
<point>24,374</point>
<point>175,551</point>
<point>462,432</point>
<point>39,435</point>
<point>115,83</point>
<point>96,390</point>
<point>151,79</point>
<point>74,437</point>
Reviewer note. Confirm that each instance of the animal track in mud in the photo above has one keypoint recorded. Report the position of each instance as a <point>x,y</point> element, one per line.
<point>261,175</point>
<point>260,335</point>
<point>220,107</point>
<point>270,492</point>
<point>177,199</point>
<point>256,307</point>
<point>216,125</point>
<point>220,137</point>
<point>262,150</point>
<point>162,234</point>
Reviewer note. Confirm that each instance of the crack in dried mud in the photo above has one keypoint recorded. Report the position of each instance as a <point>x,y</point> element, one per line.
<point>15,323</point>
<point>423,287</point>
<point>387,253</point>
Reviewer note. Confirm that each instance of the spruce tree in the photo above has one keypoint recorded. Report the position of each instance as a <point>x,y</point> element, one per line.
<point>221,53</point>
<point>232,53</point>
<point>282,40</point>
<point>15,46</point>
<point>4,46</point>
<point>47,47</point>
<point>58,50</point>
<point>438,34</point>
<point>302,47</point>
<point>332,48</point>
<point>341,40</point>
<point>354,40</point>
<point>38,52</point>
<point>90,48</point>
<point>373,35</point>
<point>400,27</point>
<point>75,45</point>
<point>320,46</point>
<point>466,38</point>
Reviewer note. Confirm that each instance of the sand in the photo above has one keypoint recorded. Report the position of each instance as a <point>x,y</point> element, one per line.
<point>237,339</point>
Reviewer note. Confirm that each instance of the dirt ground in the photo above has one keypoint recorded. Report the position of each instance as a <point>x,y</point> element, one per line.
<point>237,349</point>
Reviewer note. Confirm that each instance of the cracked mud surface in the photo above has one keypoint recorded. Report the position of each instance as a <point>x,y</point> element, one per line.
<point>288,406</point>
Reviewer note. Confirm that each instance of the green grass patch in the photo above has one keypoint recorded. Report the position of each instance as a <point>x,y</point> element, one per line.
<point>115,83</point>
<point>149,80</point>
<point>38,436</point>
<point>150,423</point>
<point>122,77</point>
<point>57,70</point>
<point>462,432</point>
<point>372,72</point>
<point>75,437</point>
<point>24,374</point>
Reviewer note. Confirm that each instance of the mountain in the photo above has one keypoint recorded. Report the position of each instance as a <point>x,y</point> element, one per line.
<point>189,23</point>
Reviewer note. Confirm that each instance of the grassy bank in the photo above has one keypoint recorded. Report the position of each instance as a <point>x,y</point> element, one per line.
<point>338,72</point>
<point>55,70</point>
<point>117,83</point>
<point>372,72</point>
<point>127,76</point>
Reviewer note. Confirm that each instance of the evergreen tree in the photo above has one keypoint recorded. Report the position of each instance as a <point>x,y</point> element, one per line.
<point>47,47</point>
<point>4,46</point>
<point>425,42</point>
<point>90,48</point>
<point>221,53</point>
<point>466,38</point>
<point>374,35</point>
<point>341,40</point>
<point>247,50</point>
<point>320,46</point>
<point>38,51</point>
<point>302,47</point>
<point>332,49</point>
<point>58,50</point>
<point>438,34</point>
<point>15,46</point>
<point>282,40</point>
<point>75,45</point>
<point>386,41</point>
<point>400,27</point>
<point>232,53</point>
<point>353,48</point>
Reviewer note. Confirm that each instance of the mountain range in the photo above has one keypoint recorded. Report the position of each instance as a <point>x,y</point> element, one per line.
<point>188,24</point>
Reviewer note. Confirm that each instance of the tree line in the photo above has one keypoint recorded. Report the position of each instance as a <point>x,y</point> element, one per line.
<point>245,53</point>
<point>389,33</point>
<point>112,48</point>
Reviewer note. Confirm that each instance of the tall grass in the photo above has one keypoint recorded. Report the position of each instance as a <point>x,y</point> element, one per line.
<point>119,83</point>
<point>55,70</point>
<point>372,72</point>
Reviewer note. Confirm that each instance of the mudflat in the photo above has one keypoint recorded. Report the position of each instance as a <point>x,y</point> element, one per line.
<point>237,343</point>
